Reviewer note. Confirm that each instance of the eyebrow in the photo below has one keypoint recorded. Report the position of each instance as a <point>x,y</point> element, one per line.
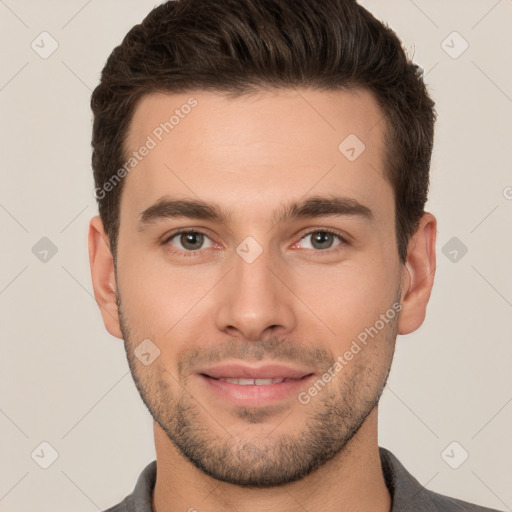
<point>318,206</point>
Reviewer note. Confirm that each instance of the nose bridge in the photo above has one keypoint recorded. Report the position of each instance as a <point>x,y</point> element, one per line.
<point>254,298</point>
<point>253,279</point>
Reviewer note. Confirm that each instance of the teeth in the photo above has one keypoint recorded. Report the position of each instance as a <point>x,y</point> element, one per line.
<point>253,382</point>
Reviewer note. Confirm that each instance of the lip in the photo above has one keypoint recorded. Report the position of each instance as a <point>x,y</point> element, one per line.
<point>253,395</point>
<point>242,371</point>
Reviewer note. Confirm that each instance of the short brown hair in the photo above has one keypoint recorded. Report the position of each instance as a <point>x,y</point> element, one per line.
<point>241,46</point>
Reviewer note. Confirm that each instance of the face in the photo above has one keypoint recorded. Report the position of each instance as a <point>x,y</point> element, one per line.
<point>257,257</point>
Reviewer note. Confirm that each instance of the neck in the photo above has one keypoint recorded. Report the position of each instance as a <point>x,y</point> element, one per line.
<point>352,480</point>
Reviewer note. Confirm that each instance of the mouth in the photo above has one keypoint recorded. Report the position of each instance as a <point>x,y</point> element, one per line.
<point>254,382</point>
<point>247,386</point>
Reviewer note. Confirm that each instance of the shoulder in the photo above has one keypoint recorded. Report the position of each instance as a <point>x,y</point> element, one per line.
<point>140,499</point>
<point>408,494</point>
<point>125,506</point>
<point>445,503</point>
<point>120,507</point>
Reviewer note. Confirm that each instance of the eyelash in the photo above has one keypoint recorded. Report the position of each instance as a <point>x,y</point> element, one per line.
<point>342,239</point>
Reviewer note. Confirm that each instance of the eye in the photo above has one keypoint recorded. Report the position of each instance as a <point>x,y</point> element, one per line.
<point>322,240</point>
<point>189,241</point>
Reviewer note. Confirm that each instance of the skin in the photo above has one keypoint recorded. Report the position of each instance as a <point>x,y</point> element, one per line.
<point>251,155</point>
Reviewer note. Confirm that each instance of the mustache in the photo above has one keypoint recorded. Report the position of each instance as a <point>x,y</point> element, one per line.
<point>269,349</point>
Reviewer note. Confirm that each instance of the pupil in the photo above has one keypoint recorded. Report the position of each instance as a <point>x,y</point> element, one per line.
<point>322,240</point>
<point>192,241</point>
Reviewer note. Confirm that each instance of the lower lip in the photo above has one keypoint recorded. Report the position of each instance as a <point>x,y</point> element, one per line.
<point>254,395</point>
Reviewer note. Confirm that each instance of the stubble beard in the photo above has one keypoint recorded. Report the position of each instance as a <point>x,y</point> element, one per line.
<point>332,418</point>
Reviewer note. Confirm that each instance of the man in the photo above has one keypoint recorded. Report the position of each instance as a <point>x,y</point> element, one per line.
<point>261,170</point>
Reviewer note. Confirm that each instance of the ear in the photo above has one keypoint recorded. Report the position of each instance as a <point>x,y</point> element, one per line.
<point>418,275</point>
<point>103,276</point>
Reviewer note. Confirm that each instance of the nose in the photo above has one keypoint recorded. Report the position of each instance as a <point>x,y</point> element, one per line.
<point>256,299</point>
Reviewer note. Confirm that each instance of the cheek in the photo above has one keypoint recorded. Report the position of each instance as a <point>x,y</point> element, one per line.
<point>351,297</point>
<point>157,296</point>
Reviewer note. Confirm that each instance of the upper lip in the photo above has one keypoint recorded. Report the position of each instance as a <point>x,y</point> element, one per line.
<point>241,371</point>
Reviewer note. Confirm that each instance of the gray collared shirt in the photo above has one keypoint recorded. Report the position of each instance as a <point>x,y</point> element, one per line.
<point>407,494</point>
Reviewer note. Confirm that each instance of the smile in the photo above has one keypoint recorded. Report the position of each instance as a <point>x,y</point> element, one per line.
<point>255,382</point>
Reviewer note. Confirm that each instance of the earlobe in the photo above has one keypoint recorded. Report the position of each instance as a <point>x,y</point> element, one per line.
<point>103,276</point>
<point>418,275</point>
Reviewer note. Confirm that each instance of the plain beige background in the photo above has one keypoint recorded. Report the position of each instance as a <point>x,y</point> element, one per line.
<point>65,380</point>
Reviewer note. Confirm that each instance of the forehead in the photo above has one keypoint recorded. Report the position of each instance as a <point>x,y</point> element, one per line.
<point>252,149</point>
